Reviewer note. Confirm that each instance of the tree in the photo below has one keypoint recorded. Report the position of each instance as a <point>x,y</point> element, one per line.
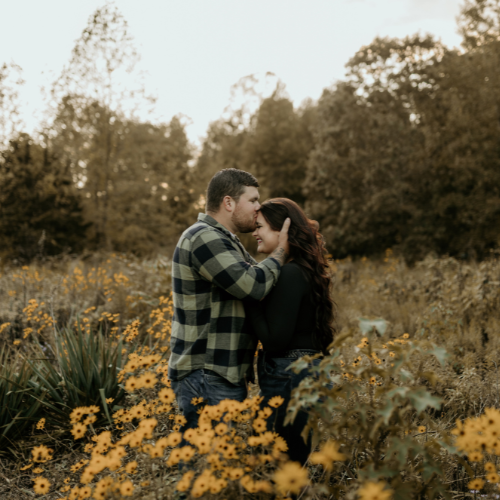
<point>357,173</point>
<point>277,147</point>
<point>93,99</point>
<point>10,122</point>
<point>40,210</point>
<point>415,133</point>
<point>273,142</point>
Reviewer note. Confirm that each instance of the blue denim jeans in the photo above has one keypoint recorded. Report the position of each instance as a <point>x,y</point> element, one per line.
<point>210,386</point>
<point>276,380</point>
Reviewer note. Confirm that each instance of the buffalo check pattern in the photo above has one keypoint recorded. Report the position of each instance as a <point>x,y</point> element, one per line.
<point>211,274</point>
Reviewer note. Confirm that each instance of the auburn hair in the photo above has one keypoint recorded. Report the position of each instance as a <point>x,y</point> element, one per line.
<point>307,249</point>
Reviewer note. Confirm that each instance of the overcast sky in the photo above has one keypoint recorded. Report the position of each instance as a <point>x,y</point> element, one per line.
<point>194,50</point>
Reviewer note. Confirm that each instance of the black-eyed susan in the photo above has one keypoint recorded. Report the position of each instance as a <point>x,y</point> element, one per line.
<point>131,384</point>
<point>490,467</point>
<point>220,429</point>
<point>41,486</point>
<point>235,473</point>
<point>89,420</point>
<point>217,485</point>
<point>180,419</point>
<point>421,429</point>
<point>185,481</point>
<point>276,401</point>
<point>41,453</point>
<point>259,425</point>
<point>327,455</point>
<point>174,458</point>
<point>265,412</point>
<point>84,492</point>
<point>374,491</point>
<point>148,380</point>
<point>78,430</point>
<point>280,444</point>
<point>476,484</point>
<point>493,477</point>
<point>291,477</point>
<point>476,456</point>
<point>127,488</point>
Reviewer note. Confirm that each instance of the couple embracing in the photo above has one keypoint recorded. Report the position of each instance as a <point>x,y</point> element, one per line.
<point>225,302</point>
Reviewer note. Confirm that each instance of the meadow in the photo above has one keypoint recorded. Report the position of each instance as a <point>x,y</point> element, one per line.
<point>404,407</point>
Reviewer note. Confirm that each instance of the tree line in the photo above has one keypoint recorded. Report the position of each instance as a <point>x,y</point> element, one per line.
<point>404,153</point>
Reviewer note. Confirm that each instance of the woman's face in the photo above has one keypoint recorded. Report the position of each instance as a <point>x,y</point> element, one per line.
<point>267,239</point>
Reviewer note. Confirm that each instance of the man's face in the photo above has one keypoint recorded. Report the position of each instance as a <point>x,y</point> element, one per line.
<point>245,212</point>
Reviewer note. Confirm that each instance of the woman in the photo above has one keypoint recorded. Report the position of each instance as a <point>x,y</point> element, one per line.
<point>296,318</point>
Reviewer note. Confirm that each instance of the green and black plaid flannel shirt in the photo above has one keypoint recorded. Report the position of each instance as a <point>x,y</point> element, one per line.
<point>211,274</point>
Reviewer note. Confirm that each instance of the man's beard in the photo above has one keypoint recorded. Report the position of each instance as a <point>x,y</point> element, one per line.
<point>243,224</point>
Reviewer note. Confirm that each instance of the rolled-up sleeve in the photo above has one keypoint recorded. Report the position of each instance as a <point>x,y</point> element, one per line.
<point>218,261</point>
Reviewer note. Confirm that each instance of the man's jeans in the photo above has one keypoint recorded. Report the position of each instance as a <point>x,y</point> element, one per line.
<point>210,386</point>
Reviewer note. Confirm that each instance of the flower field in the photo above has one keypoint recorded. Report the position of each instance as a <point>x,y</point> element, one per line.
<point>406,405</point>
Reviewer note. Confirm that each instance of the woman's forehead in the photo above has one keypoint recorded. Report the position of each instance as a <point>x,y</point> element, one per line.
<point>261,219</point>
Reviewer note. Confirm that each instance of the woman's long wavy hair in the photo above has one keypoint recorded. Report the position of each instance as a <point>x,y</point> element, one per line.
<point>308,250</point>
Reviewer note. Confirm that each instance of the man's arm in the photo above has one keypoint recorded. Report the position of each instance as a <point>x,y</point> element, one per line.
<point>282,250</point>
<point>215,258</point>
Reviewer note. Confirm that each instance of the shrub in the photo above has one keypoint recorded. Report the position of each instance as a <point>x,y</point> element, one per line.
<point>372,403</point>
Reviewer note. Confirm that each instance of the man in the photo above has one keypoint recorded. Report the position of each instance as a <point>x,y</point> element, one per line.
<point>212,346</point>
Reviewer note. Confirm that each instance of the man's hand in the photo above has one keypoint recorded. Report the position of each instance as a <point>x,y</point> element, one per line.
<point>283,250</point>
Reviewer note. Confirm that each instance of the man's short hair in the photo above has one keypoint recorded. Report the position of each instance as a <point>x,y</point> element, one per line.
<point>228,182</point>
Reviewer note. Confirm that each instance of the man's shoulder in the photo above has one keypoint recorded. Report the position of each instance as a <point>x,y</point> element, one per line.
<point>201,233</point>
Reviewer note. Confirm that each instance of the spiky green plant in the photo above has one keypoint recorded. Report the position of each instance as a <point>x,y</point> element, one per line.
<point>21,401</point>
<point>83,371</point>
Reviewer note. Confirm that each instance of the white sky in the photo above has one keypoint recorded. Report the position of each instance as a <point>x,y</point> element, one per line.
<point>194,50</point>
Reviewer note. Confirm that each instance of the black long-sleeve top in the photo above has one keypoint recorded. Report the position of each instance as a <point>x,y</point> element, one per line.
<point>286,318</point>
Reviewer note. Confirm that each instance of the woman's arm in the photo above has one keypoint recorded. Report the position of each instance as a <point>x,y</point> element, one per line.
<point>274,319</point>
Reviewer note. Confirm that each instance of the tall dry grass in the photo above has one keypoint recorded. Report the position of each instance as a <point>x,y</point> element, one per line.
<point>440,306</point>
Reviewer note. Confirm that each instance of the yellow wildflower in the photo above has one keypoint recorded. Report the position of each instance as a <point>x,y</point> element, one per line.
<point>276,401</point>
<point>127,488</point>
<point>41,485</point>
<point>291,477</point>
<point>328,454</point>
<point>476,484</point>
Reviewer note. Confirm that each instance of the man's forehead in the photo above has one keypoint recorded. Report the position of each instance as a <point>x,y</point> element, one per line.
<point>251,192</point>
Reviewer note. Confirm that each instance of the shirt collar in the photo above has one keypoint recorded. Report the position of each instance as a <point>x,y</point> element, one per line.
<point>207,219</point>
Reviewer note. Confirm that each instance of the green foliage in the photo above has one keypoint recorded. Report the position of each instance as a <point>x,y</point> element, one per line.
<point>277,147</point>
<point>40,209</point>
<point>273,143</point>
<point>406,152</point>
<point>21,401</point>
<point>377,407</point>
<point>84,364</point>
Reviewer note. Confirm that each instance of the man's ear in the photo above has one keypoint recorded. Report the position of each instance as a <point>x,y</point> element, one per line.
<point>228,204</point>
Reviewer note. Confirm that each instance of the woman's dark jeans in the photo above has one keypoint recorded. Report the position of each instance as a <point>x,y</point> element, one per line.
<point>276,380</point>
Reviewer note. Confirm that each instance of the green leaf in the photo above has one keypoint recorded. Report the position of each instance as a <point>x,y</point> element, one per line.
<point>386,411</point>
<point>441,354</point>
<point>367,325</point>
<point>421,399</point>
